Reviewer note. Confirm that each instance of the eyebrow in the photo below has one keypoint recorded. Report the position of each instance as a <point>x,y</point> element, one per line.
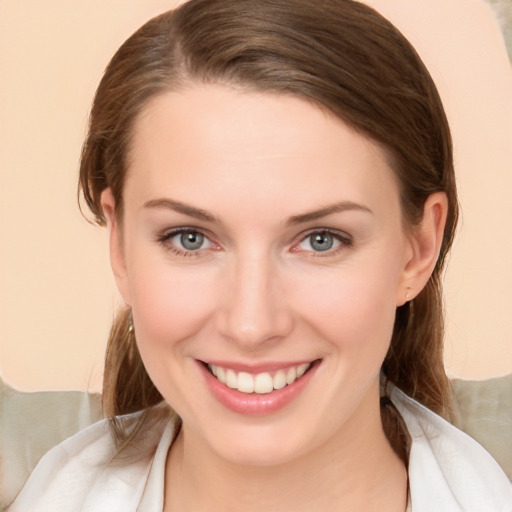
<point>179,207</point>
<point>200,214</point>
<point>342,206</point>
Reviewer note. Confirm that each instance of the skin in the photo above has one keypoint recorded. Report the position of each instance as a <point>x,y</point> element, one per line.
<point>257,291</point>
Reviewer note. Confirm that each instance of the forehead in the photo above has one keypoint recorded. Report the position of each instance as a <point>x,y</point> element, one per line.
<point>249,144</point>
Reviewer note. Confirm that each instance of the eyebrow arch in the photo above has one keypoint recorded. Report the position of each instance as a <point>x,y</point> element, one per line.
<point>327,210</point>
<point>186,209</point>
<point>200,214</point>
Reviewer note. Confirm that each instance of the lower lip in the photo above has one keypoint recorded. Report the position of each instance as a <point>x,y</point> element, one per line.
<point>253,404</point>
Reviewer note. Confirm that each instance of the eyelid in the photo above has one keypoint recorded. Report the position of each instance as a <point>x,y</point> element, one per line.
<point>164,238</point>
<point>346,241</point>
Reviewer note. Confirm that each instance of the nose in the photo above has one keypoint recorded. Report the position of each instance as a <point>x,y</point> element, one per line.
<point>254,311</point>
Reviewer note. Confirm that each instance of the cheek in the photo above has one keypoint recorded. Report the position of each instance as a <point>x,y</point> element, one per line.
<point>354,308</point>
<point>170,304</point>
<point>170,308</point>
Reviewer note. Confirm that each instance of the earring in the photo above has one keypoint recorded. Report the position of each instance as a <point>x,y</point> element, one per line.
<point>131,328</point>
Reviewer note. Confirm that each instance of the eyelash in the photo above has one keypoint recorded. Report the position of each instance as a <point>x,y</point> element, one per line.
<point>165,238</point>
<point>345,242</point>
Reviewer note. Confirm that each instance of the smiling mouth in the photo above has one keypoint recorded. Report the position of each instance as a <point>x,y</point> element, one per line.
<point>260,383</point>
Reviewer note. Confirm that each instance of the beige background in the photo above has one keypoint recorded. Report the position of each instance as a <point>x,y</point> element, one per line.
<point>57,297</point>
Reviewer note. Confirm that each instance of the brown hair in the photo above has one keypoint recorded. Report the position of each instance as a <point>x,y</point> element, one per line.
<point>339,54</point>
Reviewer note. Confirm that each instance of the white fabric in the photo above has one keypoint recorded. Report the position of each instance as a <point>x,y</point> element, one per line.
<point>448,471</point>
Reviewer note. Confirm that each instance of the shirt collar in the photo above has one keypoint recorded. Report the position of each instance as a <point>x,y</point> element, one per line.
<point>152,499</point>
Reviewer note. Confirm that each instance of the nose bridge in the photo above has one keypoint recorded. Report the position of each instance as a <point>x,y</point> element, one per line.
<point>254,311</point>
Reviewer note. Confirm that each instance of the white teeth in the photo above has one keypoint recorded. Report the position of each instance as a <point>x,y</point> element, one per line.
<point>245,383</point>
<point>279,380</point>
<point>301,370</point>
<point>221,374</point>
<point>261,383</point>
<point>231,379</point>
<point>291,376</point>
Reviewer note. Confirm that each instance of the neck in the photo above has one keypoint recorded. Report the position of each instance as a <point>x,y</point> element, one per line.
<point>355,470</point>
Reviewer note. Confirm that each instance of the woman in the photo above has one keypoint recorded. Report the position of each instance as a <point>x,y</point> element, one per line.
<point>277,181</point>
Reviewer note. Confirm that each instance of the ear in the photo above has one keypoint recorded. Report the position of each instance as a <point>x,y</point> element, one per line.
<point>117,259</point>
<point>425,244</point>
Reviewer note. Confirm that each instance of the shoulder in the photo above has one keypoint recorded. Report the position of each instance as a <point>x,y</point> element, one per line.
<point>448,470</point>
<point>82,474</point>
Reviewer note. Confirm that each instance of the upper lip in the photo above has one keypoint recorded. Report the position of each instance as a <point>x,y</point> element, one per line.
<point>269,366</point>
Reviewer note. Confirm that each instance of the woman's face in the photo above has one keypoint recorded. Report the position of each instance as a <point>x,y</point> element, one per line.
<point>264,237</point>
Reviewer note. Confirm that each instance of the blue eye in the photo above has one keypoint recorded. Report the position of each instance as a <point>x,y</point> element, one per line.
<point>185,241</point>
<point>191,240</point>
<point>323,241</point>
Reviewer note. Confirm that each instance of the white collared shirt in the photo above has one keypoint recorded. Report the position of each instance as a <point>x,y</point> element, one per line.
<point>448,471</point>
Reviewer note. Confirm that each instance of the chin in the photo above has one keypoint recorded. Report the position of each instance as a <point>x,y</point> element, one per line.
<point>260,447</point>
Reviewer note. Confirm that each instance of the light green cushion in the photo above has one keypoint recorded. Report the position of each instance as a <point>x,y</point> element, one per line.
<point>31,423</point>
<point>484,411</point>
